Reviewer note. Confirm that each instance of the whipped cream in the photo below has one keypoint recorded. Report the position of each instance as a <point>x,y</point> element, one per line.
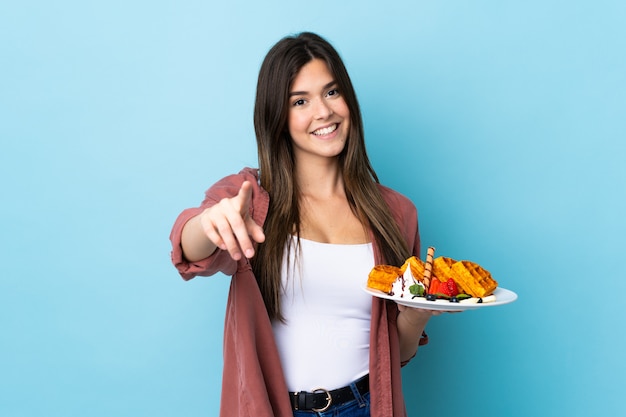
<point>400,287</point>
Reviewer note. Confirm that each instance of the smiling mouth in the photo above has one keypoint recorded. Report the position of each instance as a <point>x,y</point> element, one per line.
<point>326,130</point>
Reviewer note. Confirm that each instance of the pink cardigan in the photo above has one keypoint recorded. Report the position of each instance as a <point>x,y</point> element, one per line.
<point>253,381</point>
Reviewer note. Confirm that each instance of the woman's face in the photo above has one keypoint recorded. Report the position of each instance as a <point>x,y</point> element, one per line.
<point>319,119</point>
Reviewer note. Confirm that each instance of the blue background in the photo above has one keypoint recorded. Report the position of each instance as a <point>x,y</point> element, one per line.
<point>504,121</point>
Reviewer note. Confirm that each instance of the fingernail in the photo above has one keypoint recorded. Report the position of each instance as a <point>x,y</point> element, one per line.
<point>249,253</point>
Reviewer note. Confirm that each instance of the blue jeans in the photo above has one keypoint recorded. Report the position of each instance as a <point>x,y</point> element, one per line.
<point>359,407</point>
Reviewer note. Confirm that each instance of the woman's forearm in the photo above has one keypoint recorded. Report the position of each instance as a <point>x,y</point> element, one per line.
<point>411,324</point>
<point>195,243</point>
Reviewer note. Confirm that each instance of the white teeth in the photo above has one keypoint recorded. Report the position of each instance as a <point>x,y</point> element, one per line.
<point>326,130</point>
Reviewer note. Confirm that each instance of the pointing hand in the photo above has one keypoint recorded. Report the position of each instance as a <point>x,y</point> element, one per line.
<point>229,226</point>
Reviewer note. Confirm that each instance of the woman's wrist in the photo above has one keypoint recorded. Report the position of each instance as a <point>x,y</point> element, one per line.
<point>415,317</point>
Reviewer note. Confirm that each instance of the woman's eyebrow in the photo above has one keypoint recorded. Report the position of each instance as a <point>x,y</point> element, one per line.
<point>303,93</point>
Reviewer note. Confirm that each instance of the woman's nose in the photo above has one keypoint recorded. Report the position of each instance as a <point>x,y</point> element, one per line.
<point>322,109</point>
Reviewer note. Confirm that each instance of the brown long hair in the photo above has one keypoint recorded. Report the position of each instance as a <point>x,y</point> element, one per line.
<point>276,162</point>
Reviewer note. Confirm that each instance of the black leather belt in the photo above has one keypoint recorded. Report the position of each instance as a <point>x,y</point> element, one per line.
<point>321,399</point>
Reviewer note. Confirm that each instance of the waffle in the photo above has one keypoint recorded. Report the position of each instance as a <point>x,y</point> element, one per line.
<point>417,268</point>
<point>442,268</point>
<point>475,280</point>
<point>382,277</point>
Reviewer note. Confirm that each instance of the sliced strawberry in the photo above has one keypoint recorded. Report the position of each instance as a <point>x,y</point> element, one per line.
<point>434,286</point>
<point>444,289</point>
<point>452,288</point>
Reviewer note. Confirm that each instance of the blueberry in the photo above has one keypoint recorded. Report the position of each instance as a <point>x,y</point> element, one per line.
<point>431,297</point>
<point>454,300</point>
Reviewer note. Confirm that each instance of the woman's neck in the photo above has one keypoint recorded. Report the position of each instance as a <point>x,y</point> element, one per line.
<point>325,214</point>
<point>320,181</point>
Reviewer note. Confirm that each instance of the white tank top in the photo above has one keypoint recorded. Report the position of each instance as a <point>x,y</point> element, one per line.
<point>325,340</point>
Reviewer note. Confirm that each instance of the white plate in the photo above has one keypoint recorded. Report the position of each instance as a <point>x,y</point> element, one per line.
<point>503,296</point>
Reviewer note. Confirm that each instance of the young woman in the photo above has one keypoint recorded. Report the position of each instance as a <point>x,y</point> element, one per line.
<point>299,236</point>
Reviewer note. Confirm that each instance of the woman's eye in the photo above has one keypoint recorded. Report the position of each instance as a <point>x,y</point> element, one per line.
<point>299,102</point>
<point>333,92</point>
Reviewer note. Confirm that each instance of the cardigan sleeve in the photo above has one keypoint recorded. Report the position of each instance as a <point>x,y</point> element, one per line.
<point>405,214</point>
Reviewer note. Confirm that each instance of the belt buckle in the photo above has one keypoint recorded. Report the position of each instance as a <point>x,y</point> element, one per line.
<point>328,398</point>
